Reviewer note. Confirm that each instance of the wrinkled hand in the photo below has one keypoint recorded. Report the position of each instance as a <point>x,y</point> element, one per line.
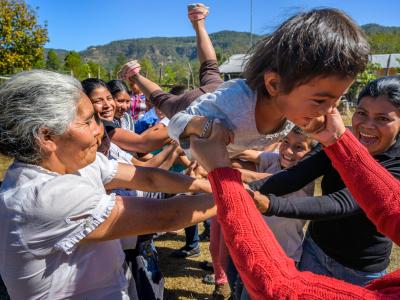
<point>211,152</point>
<point>261,201</point>
<point>332,130</point>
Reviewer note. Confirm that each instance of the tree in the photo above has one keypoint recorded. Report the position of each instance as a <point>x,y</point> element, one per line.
<point>53,62</point>
<point>369,74</point>
<point>21,37</point>
<point>73,63</point>
<point>147,69</point>
<point>118,64</point>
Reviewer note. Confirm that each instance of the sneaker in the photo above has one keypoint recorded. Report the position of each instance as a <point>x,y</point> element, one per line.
<point>184,252</point>
<point>205,236</point>
<point>221,292</point>
<point>209,279</point>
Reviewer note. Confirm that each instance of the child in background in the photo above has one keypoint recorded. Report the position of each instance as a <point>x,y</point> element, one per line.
<point>288,231</point>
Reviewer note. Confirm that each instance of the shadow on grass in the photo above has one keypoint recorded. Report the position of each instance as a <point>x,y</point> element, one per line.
<point>171,294</point>
<point>178,267</point>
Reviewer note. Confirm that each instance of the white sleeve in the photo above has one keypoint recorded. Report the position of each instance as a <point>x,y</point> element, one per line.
<point>108,168</point>
<point>66,210</point>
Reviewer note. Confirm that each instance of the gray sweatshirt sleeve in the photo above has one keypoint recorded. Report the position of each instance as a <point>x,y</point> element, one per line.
<point>206,105</point>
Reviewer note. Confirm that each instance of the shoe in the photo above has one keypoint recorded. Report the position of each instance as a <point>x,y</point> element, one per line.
<point>209,279</point>
<point>205,236</point>
<point>197,11</point>
<point>206,265</point>
<point>131,68</point>
<point>221,292</point>
<point>184,252</point>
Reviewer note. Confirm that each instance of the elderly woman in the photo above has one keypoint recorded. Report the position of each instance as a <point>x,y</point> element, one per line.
<point>59,230</point>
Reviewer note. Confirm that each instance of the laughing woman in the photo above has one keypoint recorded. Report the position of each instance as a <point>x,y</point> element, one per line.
<point>59,230</point>
<point>104,104</point>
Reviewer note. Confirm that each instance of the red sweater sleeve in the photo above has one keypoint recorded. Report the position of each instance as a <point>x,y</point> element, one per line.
<point>375,189</point>
<point>263,266</point>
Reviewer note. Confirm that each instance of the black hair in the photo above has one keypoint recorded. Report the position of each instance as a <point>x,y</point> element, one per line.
<point>178,90</point>
<point>117,86</point>
<point>321,42</point>
<point>385,86</point>
<point>90,84</point>
<point>297,130</point>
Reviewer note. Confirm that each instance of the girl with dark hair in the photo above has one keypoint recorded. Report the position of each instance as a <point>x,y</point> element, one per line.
<point>341,242</point>
<point>104,105</point>
<point>122,99</point>
<point>296,74</point>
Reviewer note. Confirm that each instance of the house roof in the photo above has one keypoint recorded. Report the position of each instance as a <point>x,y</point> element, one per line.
<point>385,60</point>
<point>235,63</point>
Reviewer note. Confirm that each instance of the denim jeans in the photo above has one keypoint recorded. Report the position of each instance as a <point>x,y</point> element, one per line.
<point>192,237</point>
<point>315,260</point>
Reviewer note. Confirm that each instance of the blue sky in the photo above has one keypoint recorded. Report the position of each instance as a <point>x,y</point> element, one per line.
<point>76,25</point>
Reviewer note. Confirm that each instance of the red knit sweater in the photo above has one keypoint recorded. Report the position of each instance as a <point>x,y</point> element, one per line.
<point>374,188</point>
<point>263,266</point>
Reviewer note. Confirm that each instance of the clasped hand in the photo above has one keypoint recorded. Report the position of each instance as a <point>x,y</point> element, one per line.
<point>211,152</point>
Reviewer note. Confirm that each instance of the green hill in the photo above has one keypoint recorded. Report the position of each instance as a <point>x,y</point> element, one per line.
<point>167,50</point>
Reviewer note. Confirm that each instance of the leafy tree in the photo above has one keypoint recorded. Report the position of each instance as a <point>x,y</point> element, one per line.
<point>118,64</point>
<point>21,37</point>
<point>97,70</point>
<point>369,74</point>
<point>52,61</point>
<point>73,63</point>
<point>147,69</point>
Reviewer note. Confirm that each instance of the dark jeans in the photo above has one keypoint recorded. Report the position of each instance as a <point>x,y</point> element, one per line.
<point>170,104</point>
<point>192,237</point>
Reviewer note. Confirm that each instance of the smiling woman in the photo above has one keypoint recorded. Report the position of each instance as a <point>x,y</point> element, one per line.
<point>376,121</point>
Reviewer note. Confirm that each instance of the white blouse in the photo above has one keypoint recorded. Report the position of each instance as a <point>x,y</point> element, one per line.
<point>43,217</point>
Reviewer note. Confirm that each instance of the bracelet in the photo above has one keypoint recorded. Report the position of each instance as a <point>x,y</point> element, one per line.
<point>206,127</point>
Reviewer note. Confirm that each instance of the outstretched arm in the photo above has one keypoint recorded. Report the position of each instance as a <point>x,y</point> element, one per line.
<point>152,139</point>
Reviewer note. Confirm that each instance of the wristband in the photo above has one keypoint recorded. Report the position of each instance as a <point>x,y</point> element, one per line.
<point>206,128</point>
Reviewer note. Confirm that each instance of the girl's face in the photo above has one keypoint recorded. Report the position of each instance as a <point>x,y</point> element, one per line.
<point>376,123</point>
<point>122,104</point>
<point>312,100</point>
<point>293,148</point>
<point>103,103</point>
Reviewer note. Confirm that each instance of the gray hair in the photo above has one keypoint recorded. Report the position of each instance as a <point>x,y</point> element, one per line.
<point>31,101</point>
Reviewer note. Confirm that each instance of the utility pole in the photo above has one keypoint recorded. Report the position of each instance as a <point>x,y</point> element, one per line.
<point>251,23</point>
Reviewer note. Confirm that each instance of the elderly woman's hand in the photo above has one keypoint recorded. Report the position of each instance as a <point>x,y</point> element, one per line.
<point>211,152</point>
<point>332,130</point>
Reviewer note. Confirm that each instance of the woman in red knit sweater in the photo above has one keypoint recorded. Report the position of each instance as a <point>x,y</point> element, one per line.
<point>265,269</point>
